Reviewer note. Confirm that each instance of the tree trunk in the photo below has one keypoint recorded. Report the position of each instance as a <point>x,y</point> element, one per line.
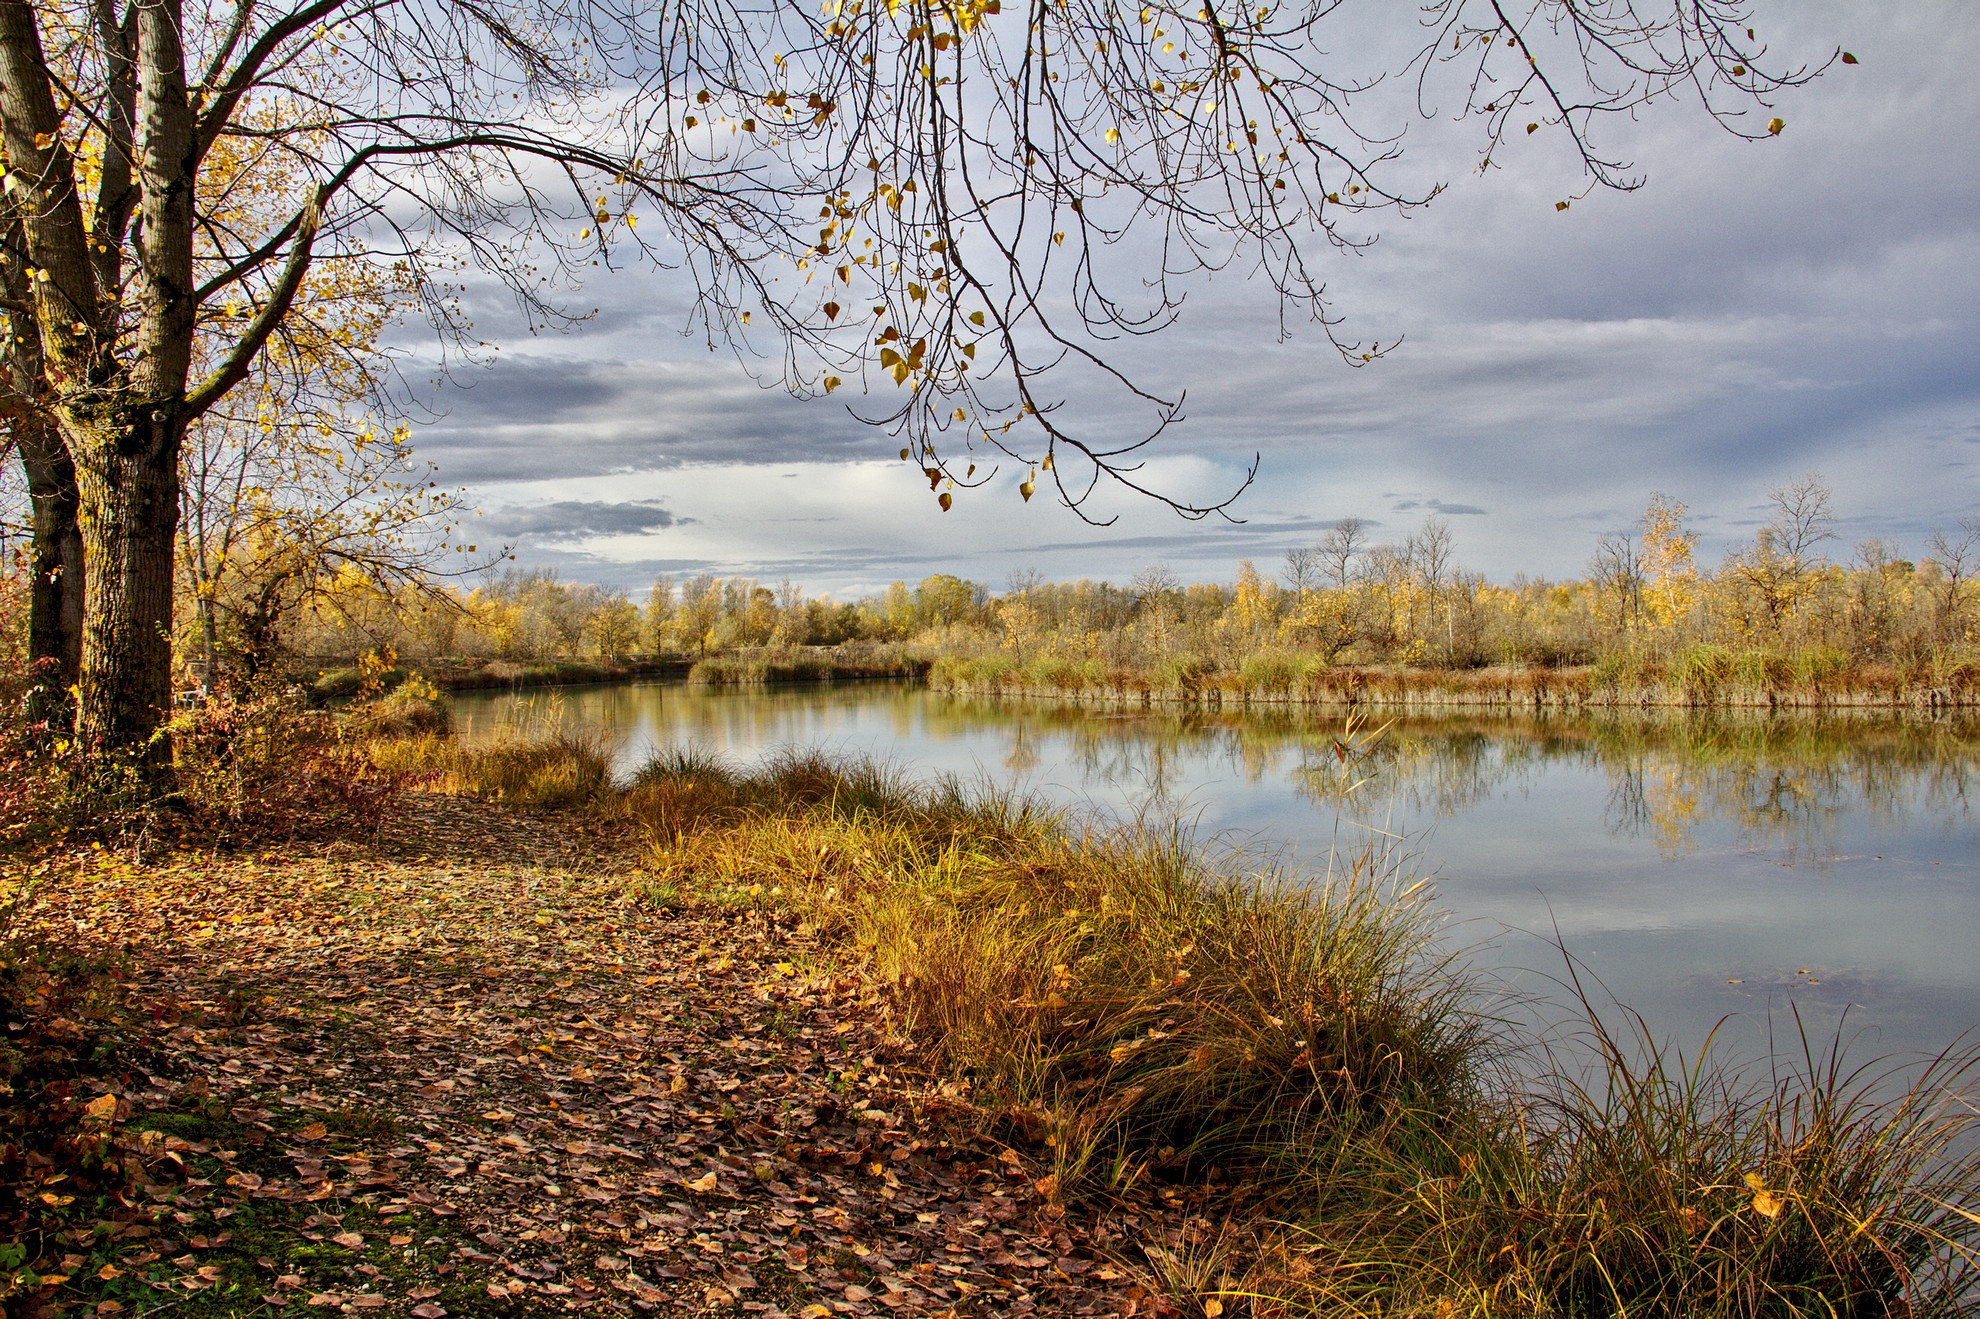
<point>129,482</point>
<point>55,590</point>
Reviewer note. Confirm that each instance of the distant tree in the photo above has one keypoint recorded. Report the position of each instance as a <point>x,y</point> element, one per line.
<point>1670,579</point>
<point>1155,586</point>
<point>698,612</point>
<point>1957,554</point>
<point>1430,552</point>
<point>659,613</point>
<point>615,627</point>
<point>1344,542</point>
<point>943,599</point>
<point>1302,569</point>
<point>1617,571</point>
<point>1779,569</point>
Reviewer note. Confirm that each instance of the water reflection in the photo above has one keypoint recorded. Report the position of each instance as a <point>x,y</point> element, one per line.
<point>1699,866</point>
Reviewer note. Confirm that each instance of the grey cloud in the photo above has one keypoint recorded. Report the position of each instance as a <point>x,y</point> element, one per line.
<point>534,418</point>
<point>576,519</point>
<point>1438,506</point>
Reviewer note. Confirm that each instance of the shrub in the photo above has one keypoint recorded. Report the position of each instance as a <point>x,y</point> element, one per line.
<point>564,767</point>
<point>1821,666</point>
<point>1660,1188</point>
<point>413,709</point>
<point>1182,675</point>
<point>1269,673</point>
<point>1764,670</point>
<point>270,768</point>
<point>1702,673</point>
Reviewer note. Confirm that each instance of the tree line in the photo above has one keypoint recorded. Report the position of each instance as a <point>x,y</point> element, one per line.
<point>1347,598</point>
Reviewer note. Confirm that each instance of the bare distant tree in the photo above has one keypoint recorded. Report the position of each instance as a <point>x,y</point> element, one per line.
<point>1154,585</point>
<point>1430,552</point>
<point>1871,606</point>
<point>1958,555</point>
<point>1782,566</point>
<point>1302,570</point>
<point>1803,519</point>
<point>1618,570</point>
<point>1345,541</point>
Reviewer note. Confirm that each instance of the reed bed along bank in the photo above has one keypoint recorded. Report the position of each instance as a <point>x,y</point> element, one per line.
<point>347,681</point>
<point>1305,1054</point>
<point>798,664</point>
<point>1700,677</point>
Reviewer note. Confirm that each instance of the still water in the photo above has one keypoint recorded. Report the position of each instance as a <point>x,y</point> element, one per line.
<point>1698,868</point>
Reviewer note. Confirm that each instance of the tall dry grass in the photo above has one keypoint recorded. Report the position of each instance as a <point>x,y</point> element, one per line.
<point>1153,1018</point>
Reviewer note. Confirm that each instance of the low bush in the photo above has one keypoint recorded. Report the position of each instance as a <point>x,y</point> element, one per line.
<point>241,772</point>
<point>1270,673</point>
<point>412,709</point>
<point>565,767</point>
<point>1659,1188</point>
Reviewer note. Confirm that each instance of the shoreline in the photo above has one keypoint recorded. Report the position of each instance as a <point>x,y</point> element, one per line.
<point>1583,688</point>
<point>1385,690</point>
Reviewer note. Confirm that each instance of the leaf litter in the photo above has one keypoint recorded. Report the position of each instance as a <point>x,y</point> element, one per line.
<point>457,1070</point>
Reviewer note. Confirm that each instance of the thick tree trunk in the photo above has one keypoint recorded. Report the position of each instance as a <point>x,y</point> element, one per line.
<point>129,481</point>
<point>55,591</point>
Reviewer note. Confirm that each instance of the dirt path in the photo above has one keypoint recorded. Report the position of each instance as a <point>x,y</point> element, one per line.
<point>458,1071</point>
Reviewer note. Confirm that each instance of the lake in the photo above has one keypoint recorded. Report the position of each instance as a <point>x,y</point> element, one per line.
<point>1698,867</point>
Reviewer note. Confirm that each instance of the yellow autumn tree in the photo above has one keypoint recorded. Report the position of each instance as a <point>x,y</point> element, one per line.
<point>1254,608</point>
<point>1670,579</point>
<point>296,482</point>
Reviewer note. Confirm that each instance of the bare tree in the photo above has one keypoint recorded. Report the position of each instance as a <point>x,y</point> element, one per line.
<point>1155,587</point>
<point>1430,553</point>
<point>1303,568</point>
<point>1617,569</point>
<point>1957,553</point>
<point>1786,557</point>
<point>898,192</point>
<point>1344,542</point>
<point>1803,519</point>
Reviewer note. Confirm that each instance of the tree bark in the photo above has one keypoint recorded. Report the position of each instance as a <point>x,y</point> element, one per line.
<point>55,588</point>
<point>129,484</point>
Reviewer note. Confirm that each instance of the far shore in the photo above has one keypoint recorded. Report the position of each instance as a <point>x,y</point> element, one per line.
<point>1729,680</point>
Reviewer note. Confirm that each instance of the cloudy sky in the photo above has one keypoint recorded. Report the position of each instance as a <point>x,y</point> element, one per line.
<point>1758,311</point>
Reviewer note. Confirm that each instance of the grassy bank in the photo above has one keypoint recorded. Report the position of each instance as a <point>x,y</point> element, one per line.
<point>1301,1056</point>
<point>1701,677</point>
<point>340,684</point>
<point>800,664</point>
